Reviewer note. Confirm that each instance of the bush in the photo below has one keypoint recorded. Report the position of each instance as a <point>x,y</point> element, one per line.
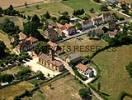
<point>129,69</point>
<point>85,93</point>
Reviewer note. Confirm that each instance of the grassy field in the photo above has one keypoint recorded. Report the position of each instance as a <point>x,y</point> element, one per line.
<point>10,92</point>
<point>55,7</point>
<point>63,89</point>
<point>52,8</point>
<point>85,4</point>
<point>114,77</point>
<point>13,70</point>
<point>5,39</point>
<point>84,46</point>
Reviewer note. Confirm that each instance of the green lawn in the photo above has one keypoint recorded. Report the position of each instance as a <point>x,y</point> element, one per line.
<point>85,4</point>
<point>52,8</point>
<point>114,77</point>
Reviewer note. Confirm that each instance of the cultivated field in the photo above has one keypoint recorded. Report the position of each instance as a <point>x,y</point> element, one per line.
<point>10,92</point>
<point>63,89</point>
<point>114,77</point>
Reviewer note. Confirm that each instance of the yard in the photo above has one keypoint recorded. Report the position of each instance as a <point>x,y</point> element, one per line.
<point>8,93</point>
<point>114,78</point>
<point>63,89</point>
<point>83,45</point>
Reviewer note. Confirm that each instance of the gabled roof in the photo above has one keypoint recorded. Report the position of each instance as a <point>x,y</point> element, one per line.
<point>49,60</point>
<point>82,67</point>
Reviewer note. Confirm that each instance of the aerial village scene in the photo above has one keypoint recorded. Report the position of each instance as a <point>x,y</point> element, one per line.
<point>65,49</point>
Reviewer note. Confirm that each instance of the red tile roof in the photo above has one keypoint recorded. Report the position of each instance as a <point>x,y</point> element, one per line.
<point>82,67</point>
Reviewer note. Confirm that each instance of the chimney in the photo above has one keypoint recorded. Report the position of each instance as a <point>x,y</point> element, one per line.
<point>52,54</point>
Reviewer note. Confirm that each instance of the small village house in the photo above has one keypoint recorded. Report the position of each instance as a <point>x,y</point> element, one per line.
<point>87,71</point>
<point>107,17</point>
<point>52,35</point>
<point>67,29</point>
<point>26,44</point>
<point>87,24</point>
<point>98,20</point>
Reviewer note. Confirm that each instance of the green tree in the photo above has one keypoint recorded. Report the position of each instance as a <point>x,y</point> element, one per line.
<point>85,93</point>
<point>10,11</point>
<point>2,49</point>
<point>1,11</point>
<point>23,73</point>
<point>10,27</point>
<point>30,28</point>
<point>6,78</point>
<point>78,12</point>
<point>98,1</point>
<point>41,75</point>
<point>47,15</point>
<point>129,69</point>
<point>41,47</point>
<point>104,7</point>
<point>92,10</point>
<point>78,26</point>
<point>36,21</point>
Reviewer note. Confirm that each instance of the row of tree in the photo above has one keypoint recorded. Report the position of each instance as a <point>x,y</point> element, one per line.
<point>9,11</point>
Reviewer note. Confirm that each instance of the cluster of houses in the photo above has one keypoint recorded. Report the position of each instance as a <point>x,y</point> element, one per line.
<point>48,60</point>
<point>58,31</point>
<point>27,43</point>
<point>55,32</point>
